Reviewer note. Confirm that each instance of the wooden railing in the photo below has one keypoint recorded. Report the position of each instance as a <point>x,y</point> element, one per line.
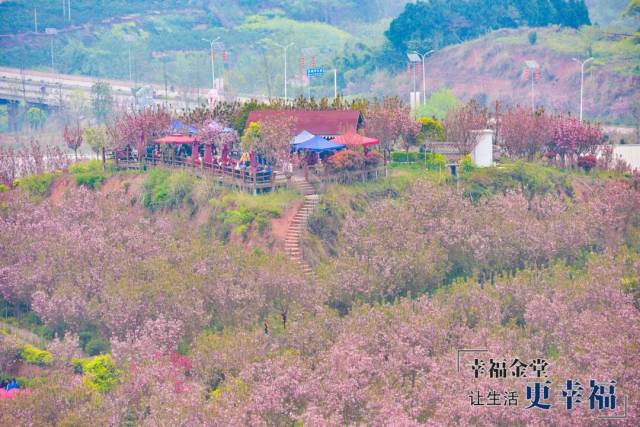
<point>238,178</point>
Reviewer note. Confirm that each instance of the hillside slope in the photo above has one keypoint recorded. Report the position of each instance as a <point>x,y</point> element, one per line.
<point>492,68</point>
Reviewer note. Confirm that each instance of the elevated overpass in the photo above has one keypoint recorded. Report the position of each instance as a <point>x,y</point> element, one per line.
<point>53,91</point>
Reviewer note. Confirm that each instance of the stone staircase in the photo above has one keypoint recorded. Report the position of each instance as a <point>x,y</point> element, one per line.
<point>299,224</point>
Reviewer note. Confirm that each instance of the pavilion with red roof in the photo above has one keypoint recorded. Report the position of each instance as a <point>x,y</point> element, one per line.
<point>328,124</point>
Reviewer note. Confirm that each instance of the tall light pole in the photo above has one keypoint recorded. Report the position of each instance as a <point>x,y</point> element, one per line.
<point>424,79</point>
<point>335,83</point>
<point>285,48</point>
<point>414,58</point>
<point>213,67</point>
<point>52,32</point>
<point>583,63</point>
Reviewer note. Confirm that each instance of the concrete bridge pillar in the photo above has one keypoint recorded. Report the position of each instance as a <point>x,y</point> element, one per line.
<point>13,108</point>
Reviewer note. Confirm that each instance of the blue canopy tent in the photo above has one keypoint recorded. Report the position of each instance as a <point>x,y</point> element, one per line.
<point>178,127</point>
<point>302,137</point>
<point>318,144</point>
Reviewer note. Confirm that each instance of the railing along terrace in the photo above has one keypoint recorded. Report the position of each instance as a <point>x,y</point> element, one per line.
<point>227,175</point>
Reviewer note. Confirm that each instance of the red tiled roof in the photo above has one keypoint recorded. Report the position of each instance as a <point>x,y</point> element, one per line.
<point>322,123</point>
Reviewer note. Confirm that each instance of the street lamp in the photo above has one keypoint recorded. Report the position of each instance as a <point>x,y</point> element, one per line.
<point>413,60</point>
<point>424,80</point>
<point>213,67</point>
<point>284,48</point>
<point>583,63</point>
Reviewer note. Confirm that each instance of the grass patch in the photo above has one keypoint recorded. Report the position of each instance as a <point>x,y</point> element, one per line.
<point>530,178</point>
<point>35,356</point>
<point>165,189</point>
<point>239,213</point>
<point>90,174</point>
<point>36,186</point>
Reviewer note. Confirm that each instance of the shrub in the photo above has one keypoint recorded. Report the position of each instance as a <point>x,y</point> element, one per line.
<point>36,185</point>
<point>89,173</point>
<point>372,159</point>
<point>345,160</point>
<point>407,157</point>
<point>533,38</point>
<point>466,166</point>
<point>93,343</point>
<point>3,188</point>
<point>432,129</point>
<point>100,372</point>
<point>531,178</point>
<point>166,190</point>
<point>35,356</point>
<point>587,162</point>
<point>435,161</point>
<point>240,211</point>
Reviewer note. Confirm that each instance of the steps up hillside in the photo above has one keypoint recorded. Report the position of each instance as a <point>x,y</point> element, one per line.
<point>297,226</point>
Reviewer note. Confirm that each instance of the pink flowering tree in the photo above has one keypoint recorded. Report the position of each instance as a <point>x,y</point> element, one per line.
<point>388,121</point>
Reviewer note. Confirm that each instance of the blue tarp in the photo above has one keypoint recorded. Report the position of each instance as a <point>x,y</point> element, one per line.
<point>177,127</point>
<point>302,137</point>
<point>319,145</point>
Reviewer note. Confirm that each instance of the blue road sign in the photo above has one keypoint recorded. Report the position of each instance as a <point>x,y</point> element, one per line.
<point>315,72</point>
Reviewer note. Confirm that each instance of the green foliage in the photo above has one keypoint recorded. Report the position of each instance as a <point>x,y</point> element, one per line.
<point>100,372</point>
<point>435,161</point>
<point>432,129</point>
<point>465,166</point>
<point>96,138</point>
<point>92,343</point>
<point>101,101</point>
<point>90,173</point>
<point>251,136</point>
<point>633,8</point>
<point>239,212</point>
<point>3,188</point>
<point>36,185</point>
<point>439,104</point>
<point>165,189</point>
<point>436,24</point>
<point>36,117</point>
<point>530,178</point>
<point>533,38</point>
<point>432,161</point>
<point>35,356</point>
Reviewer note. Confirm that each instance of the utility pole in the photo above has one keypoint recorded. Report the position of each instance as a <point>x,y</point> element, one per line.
<point>532,70</point>
<point>285,48</point>
<point>424,79</point>
<point>35,19</point>
<point>582,80</point>
<point>213,66</point>
<point>335,83</point>
<point>53,69</point>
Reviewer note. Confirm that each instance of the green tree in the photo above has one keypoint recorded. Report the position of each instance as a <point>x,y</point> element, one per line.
<point>633,8</point>
<point>251,136</point>
<point>96,137</point>
<point>36,117</point>
<point>439,104</point>
<point>101,101</point>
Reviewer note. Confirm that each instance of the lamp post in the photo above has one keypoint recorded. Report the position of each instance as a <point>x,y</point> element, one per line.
<point>414,58</point>
<point>424,80</point>
<point>582,64</point>
<point>284,48</point>
<point>213,67</point>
